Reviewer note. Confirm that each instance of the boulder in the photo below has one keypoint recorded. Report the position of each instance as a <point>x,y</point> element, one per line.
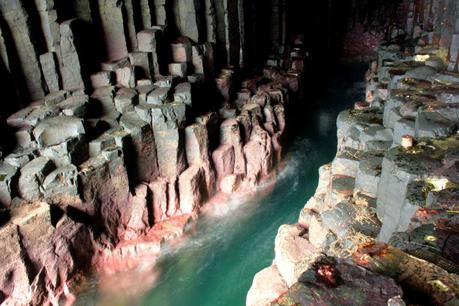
<point>293,253</point>
<point>266,287</point>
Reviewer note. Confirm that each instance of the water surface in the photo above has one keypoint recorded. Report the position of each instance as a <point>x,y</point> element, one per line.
<point>216,266</point>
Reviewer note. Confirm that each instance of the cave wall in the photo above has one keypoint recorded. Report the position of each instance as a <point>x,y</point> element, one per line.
<point>31,28</point>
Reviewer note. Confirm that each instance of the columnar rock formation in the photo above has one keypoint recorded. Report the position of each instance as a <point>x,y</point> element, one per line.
<point>382,225</point>
<point>111,151</point>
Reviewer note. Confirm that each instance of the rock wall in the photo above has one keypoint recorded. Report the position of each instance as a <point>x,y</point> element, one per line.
<point>109,29</point>
<point>382,225</point>
<point>114,152</point>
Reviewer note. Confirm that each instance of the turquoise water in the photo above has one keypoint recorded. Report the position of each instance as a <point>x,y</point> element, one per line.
<point>216,266</point>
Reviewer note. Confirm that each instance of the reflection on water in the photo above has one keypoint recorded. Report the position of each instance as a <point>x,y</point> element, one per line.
<point>227,246</point>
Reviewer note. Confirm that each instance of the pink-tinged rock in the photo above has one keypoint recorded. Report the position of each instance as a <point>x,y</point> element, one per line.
<point>266,287</point>
<point>147,39</point>
<point>293,82</point>
<point>105,189</point>
<point>140,151</point>
<point>139,218</point>
<point>197,144</point>
<point>173,200</point>
<point>245,123</point>
<point>230,183</point>
<point>293,253</point>
<point>223,158</point>
<point>102,79</point>
<point>159,194</point>
<point>170,152</point>
<point>261,98</point>
<point>192,188</point>
<point>276,140</point>
<point>181,52</point>
<point>178,69</point>
<point>230,134</point>
<point>125,77</point>
<point>14,278</point>
<point>259,155</point>
<point>40,253</point>
<point>279,111</point>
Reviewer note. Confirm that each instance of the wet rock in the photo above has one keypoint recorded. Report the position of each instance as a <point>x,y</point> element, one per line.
<point>258,153</point>
<point>230,183</point>
<point>140,216</point>
<point>104,188</point>
<point>160,198</point>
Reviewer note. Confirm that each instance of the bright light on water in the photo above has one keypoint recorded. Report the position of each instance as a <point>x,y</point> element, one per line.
<point>225,248</point>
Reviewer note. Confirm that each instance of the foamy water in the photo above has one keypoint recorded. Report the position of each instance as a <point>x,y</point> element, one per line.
<point>215,262</point>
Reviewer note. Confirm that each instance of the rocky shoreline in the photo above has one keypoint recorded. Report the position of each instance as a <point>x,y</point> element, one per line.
<point>106,179</point>
<point>382,227</point>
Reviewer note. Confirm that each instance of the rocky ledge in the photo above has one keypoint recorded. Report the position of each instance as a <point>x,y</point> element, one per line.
<point>112,175</point>
<point>382,227</point>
